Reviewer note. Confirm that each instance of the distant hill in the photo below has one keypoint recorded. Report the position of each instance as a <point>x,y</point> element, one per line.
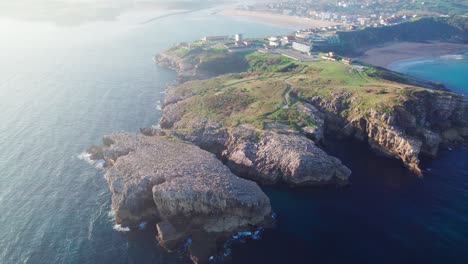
<point>451,29</point>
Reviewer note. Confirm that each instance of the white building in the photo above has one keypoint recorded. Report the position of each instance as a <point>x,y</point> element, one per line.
<point>213,38</point>
<point>239,38</point>
<point>274,42</point>
<point>302,46</point>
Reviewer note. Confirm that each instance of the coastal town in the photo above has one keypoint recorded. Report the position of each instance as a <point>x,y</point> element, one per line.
<point>303,45</point>
<point>353,14</point>
<point>323,22</point>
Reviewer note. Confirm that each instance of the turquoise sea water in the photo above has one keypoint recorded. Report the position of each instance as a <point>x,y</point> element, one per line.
<point>62,88</point>
<point>452,70</point>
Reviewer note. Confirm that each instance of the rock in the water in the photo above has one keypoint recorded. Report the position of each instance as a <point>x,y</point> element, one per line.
<point>181,187</point>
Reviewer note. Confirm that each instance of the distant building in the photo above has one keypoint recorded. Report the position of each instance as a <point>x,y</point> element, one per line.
<point>347,60</point>
<point>287,12</point>
<point>273,38</point>
<point>286,40</point>
<point>213,38</point>
<point>330,56</point>
<point>239,38</point>
<point>302,46</point>
<point>304,35</point>
<point>274,42</point>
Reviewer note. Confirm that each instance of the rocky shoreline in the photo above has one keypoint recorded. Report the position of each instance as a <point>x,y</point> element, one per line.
<point>186,191</point>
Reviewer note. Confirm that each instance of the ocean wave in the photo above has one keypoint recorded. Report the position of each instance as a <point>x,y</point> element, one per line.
<point>452,57</point>
<point>120,228</point>
<point>405,64</point>
<point>111,215</point>
<point>85,156</point>
<point>158,106</point>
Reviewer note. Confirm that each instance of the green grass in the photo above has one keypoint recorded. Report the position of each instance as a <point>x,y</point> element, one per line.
<point>256,96</point>
<point>269,62</point>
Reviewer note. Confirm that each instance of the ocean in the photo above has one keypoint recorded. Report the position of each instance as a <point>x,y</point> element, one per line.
<point>62,88</point>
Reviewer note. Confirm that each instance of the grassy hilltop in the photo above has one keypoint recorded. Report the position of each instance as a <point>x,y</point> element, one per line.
<point>271,95</point>
<point>271,86</point>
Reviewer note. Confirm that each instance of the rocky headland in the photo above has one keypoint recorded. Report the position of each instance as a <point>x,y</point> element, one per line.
<point>235,120</point>
<point>243,118</point>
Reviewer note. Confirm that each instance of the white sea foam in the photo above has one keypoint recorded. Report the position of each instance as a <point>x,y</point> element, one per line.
<point>120,228</point>
<point>85,156</point>
<point>452,57</point>
<point>158,126</point>
<point>111,214</point>
<point>404,64</point>
<point>142,225</point>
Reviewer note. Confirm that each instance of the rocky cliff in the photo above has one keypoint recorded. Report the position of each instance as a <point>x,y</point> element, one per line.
<point>187,191</point>
<point>420,126</point>
<point>185,69</point>
<point>195,63</point>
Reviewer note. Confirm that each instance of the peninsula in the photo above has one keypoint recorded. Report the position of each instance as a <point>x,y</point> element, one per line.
<point>244,113</point>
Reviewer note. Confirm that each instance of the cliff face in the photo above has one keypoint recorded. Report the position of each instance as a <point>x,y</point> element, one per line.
<point>186,70</point>
<point>200,64</point>
<point>418,127</point>
<point>185,190</point>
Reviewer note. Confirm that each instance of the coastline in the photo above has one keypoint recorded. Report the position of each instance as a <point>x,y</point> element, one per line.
<point>388,55</point>
<point>277,19</point>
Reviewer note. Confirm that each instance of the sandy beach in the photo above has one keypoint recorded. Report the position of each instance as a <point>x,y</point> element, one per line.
<point>386,55</point>
<point>278,19</point>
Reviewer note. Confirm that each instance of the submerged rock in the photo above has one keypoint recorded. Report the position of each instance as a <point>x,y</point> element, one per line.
<point>183,188</point>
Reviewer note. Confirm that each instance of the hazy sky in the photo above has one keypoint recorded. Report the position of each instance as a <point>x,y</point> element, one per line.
<point>75,12</point>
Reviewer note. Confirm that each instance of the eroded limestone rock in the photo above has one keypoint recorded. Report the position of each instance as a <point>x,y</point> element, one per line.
<point>183,188</point>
